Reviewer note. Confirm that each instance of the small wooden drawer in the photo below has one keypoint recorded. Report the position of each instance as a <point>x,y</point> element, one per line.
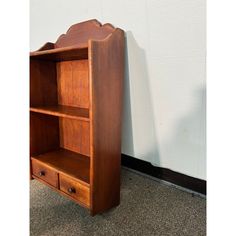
<point>45,173</point>
<point>74,189</point>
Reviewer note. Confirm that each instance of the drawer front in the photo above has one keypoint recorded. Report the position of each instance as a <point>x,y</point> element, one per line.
<point>74,189</point>
<point>43,172</point>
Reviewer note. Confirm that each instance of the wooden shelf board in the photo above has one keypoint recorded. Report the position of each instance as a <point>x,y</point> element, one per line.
<point>67,162</point>
<point>62,54</point>
<point>63,111</point>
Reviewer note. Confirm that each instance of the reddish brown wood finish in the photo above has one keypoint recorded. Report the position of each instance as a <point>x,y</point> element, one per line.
<point>46,174</point>
<point>64,161</point>
<point>60,192</point>
<point>106,77</point>
<point>44,133</point>
<point>74,135</point>
<point>63,111</point>
<point>76,105</point>
<point>62,54</point>
<point>73,84</point>
<point>75,189</point>
<point>43,83</point>
<point>79,34</point>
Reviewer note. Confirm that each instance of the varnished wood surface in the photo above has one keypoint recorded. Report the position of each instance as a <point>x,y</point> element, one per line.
<point>60,192</point>
<point>43,83</point>
<point>49,48</point>
<point>65,161</point>
<point>74,44</point>
<point>74,135</point>
<point>76,106</point>
<point>73,83</point>
<point>106,98</point>
<point>81,192</point>
<point>63,111</point>
<point>79,34</point>
<point>50,176</point>
<point>44,133</point>
<point>62,54</point>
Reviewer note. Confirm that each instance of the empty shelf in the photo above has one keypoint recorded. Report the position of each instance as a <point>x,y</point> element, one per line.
<point>68,162</point>
<point>63,111</point>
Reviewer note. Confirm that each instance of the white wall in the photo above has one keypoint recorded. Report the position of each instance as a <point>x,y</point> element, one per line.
<point>164,108</point>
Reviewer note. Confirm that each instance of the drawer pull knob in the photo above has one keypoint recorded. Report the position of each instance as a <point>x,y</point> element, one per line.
<point>71,190</point>
<point>41,173</point>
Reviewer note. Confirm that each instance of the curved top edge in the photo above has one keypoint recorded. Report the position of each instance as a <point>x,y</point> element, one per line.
<point>80,33</point>
<point>92,21</point>
<point>115,32</point>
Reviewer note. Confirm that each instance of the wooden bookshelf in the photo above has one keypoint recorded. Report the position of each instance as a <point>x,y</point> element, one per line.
<point>76,87</point>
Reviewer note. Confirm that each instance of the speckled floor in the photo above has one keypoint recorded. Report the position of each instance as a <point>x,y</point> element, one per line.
<point>147,207</point>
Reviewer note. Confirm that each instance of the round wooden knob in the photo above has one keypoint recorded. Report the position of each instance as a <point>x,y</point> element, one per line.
<point>71,190</point>
<point>41,173</point>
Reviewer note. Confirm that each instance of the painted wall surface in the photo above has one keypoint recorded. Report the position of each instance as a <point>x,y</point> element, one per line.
<point>165,91</point>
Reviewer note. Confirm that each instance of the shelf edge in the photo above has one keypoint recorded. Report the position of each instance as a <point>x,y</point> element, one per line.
<point>58,114</point>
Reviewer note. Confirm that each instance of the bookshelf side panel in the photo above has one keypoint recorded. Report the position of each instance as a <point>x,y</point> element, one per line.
<point>106,76</point>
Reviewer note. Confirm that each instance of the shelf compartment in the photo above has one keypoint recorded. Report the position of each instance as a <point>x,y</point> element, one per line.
<point>67,162</point>
<point>62,54</point>
<point>63,111</point>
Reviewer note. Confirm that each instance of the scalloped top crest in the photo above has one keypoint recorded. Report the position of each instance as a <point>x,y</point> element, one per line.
<point>80,33</point>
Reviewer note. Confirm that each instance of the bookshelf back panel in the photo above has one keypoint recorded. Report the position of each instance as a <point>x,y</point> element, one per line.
<point>74,135</point>
<point>43,83</point>
<point>44,133</point>
<point>73,83</point>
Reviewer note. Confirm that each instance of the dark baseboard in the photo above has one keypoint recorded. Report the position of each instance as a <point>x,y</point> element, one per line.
<point>182,180</point>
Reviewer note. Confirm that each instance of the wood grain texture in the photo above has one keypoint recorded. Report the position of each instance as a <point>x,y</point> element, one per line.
<point>74,44</point>
<point>74,135</point>
<point>79,34</point>
<point>106,77</point>
<point>76,109</point>
<point>43,83</point>
<point>50,176</point>
<point>60,192</point>
<point>61,54</point>
<point>73,84</point>
<point>44,133</point>
<point>80,192</point>
<point>64,111</point>
<point>65,161</point>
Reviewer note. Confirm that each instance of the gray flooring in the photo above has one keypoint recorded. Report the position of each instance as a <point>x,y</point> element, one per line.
<point>147,207</point>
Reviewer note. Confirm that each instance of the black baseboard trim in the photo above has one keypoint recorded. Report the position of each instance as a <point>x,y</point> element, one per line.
<point>182,180</point>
